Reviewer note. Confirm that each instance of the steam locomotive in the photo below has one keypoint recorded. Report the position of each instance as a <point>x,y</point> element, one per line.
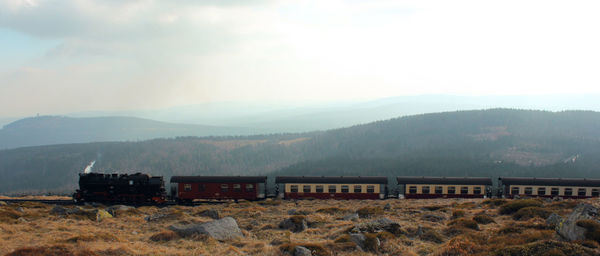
<point>145,189</point>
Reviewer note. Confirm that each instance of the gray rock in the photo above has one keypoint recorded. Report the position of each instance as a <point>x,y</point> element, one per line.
<point>387,207</point>
<point>302,251</point>
<point>361,241</point>
<point>382,224</point>
<point>352,217</point>
<point>20,209</point>
<point>433,218</point>
<point>211,213</point>
<point>568,228</point>
<point>222,229</point>
<point>58,210</point>
<point>295,223</point>
<point>22,220</point>
<point>554,220</point>
<point>114,209</point>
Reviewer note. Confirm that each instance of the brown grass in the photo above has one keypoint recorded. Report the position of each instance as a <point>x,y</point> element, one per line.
<point>367,212</point>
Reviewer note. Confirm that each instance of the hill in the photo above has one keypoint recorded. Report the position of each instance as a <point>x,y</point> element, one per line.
<point>48,130</point>
<point>465,143</point>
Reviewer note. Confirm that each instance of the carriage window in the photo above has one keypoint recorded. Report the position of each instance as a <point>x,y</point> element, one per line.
<point>306,188</point>
<point>554,191</point>
<point>187,187</point>
<point>224,187</point>
<point>237,188</point>
<point>528,190</point>
<point>439,189</point>
<point>477,190</point>
<point>332,189</point>
<point>568,191</point>
<point>581,192</point>
<point>425,189</point>
<point>371,189</point>
<point>319,188</point>
<point>357,189</point>
<point>249,187</point>
<point>294,188</point>
<point>541,191</point>
<point>595,192</point>
<point>514,191</point>
<point>345,189</point>
<point>412,189</point>
<point>451,190</point>
<point>464,190</point>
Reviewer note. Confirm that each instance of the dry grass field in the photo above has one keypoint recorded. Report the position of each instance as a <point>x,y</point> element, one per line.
<point>427,227</point>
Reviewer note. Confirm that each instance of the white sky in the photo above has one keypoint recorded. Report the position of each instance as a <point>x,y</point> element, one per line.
<point>66,56</point>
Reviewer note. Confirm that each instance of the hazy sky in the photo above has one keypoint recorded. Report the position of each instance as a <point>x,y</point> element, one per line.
<point>65,56</point>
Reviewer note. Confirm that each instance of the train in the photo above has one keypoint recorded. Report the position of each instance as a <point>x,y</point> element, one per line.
<point>142,188</point>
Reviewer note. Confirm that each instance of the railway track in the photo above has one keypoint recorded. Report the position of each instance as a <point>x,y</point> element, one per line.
<point>58,202</point>
<point>71,202</point>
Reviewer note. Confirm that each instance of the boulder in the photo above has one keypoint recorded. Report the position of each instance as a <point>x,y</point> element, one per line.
<point>352,217</point>
<point>102,214</point>
<point>211,213</point>
<point>366,243</point>
<point>296,223</point>
<point>568,229</point>
<point>387,207</point>
<point>433,218</point>
<point>554,220</point>
<point>222,229</point>
<point>302,251</point>
<point>115,209</point>
<point>20,209</point>
<point>58,210</point>
<point>382,224</point>
<point>22,220</point>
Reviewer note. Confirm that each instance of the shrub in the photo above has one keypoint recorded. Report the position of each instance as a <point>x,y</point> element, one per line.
<point>530,212</point>
<point>515,205</point>
<point>494,202</point>
<point>457,214</point>
<point>483,219</point>
<point>166,235</point>
<point>367,212</point>
<point>466,223</point>
<point>592,229</point>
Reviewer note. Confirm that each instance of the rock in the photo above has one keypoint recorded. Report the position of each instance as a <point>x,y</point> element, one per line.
<point>387,207</point>
<point>222,229</point>
<point>102,214</point>
<point>568,228</point>
<point>22,220</point>
<point>366,243</point>
<point>58,210</point>
<point>554,220</point>
<point>433,218</point>
<point>296,223</point>
<point>20,209</point>
<point>211,213</point>
<point>164,215</point>
<point>382,224</point>
<point>2,203</point>
<point>115,209</point>
<point>352,217</point>
<point>302,251</point>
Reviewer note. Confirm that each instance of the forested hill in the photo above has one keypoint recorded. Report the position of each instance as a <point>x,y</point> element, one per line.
<point>483,143</point>
<point>48,130</point>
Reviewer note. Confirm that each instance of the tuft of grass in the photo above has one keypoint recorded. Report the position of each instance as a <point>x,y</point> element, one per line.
<point>592,229</point>
<point>457,214</point>
<point>270,202</point>
<point>483,219</point>
<point>466,223</point>
<point>457,246</point>
<point>432,236</point>
<point>8,215</point>
<point>434,207</point>
<point>333,210</point>
<point>367,212</point>
<point>55,250</point>
<point>345,238</point>
<point>371,243</point>
<point>548,247</point>
<point>163,236</point>
<point>494,202</point>
<point>515,205</point>
<point>530,212</point>
<point>93,237</point>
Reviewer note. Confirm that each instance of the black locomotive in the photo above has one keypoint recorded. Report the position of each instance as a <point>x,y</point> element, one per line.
<point>120,188</point>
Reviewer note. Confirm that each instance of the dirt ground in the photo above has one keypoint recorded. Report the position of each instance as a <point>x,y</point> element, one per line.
<point>427,227</point>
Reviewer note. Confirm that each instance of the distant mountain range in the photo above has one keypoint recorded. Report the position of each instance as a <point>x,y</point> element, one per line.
<point>464,143</point>
<point>48,130</point>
